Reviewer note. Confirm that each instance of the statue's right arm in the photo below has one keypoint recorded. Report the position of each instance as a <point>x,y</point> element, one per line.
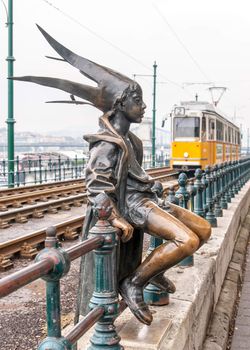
<point>101,177</point>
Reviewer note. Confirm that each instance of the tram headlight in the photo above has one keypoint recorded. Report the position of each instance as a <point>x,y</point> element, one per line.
<point>186,155</point>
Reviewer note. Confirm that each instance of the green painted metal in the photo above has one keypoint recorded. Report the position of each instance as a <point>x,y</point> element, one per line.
<point>217,208</point>
<point>53,309</point>
<point>184,196</point>
<point>223,201</point>
<point>210,217</point>
<point>182,190</point>
<point>198,200</point>
<point>154,115</point>
<point>105,286</point>
<point>152,294</point>
<point>192,192</point>
<point>10,120</point>
<point>204,192</point>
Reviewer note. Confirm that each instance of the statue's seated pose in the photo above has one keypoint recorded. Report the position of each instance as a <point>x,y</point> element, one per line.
<point>115,168</point>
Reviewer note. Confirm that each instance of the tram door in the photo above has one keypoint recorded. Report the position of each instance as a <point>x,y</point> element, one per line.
<point>211,141</point>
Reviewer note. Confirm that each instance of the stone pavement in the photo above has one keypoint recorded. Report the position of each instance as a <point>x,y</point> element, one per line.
<point>241,336</point>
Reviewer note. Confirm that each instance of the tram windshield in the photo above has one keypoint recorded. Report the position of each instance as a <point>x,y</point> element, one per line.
<point>186,127</point>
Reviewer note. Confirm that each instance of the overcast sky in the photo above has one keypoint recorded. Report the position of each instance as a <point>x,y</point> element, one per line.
<point>191,41</point>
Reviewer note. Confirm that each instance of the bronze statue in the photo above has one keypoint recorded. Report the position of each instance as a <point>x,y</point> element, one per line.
<point>115,168</point>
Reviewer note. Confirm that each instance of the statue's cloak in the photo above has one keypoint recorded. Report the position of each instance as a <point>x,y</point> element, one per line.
<point>102,144</point>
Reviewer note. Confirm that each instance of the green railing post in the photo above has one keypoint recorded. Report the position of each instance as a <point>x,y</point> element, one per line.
<point>152,294</point>
<point>182,190</point>
<point>40,169</point>
<point>192,192</point>
<point>54,340</point>
<point>198,200</point>
<point>204,193</point>
<point>154,115</point>
<point>17,180</point>
<point>210,217</point>
<point>59,168</point>
<point>105,287</point>
<point>223,201</point>
<point>227,183</point>
<point>183,197</point>
<point>230,171</point>
<point>10,120</point>
<point>217,207</point>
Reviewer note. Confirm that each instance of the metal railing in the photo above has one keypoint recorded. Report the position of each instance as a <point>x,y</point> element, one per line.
<point>207,196</point>
<point>38,170</point>
<point>43,169</point>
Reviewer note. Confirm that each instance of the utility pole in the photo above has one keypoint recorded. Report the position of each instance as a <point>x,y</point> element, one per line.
<point>10,120</point>
<point>247,140</point>
<point>154,115</point>
<point>153,110</point>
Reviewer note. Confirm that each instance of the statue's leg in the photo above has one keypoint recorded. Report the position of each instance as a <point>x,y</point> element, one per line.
<point>182,242</point>
<point>196,223</point>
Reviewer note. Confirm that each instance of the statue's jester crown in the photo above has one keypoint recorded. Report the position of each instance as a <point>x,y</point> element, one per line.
<point>110,84</point>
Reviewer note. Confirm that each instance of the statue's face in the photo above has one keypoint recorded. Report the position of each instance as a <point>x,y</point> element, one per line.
<point>133,106</point>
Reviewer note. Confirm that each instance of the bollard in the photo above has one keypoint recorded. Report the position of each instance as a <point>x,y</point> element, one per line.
<point>183,197</point>
<point>205,184</point>
<point>230,172</point>
<point>217,208</point>
<point>210,217</point>
<point>54,339</point>
<point>105,288</point>
<point>152,294</point>
<point>227,183</point>
<point>198,201</point>
<point>223,201</point>
<point>192,192</point>
<point>182,191</point>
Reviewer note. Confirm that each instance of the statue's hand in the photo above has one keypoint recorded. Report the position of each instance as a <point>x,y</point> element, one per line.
<point>122,224</point>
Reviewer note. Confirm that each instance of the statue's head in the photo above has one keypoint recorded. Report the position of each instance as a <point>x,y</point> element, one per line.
<point>113,91</point>
<point>131,103</point>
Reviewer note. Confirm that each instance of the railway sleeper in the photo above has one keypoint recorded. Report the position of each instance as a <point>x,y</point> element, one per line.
<point>65,206</point>
<point>52,210</point>
<point>4,224</point>
<point>38,214</point>
<point>77,203</point>
<point>17,204</point>
<point>3,207</point>
<point>21,219</point>
<point>70,233</point>
<point>28,251</point>
<point>5,263</point>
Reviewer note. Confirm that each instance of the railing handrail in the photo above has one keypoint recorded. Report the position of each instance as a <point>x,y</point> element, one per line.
<point>41,268</point>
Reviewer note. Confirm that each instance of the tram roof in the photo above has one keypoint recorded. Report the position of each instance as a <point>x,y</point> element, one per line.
<point>207,107</point>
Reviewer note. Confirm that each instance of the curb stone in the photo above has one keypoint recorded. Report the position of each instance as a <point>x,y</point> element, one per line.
<point>218,329</point>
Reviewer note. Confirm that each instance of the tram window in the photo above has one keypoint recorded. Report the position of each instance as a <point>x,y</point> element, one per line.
<point>229,134</point>
<point>211,129</point>
<point>203,129</point>
<point>219,131</point>
<point>225,133</point>
<point>186,127</point>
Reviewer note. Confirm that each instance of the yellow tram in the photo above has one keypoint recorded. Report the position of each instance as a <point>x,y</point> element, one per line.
<point>202,136</point>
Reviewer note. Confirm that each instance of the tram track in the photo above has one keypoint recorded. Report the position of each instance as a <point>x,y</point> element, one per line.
<point>28,245</point>
<point>17,197</point>
<point>17,213</point>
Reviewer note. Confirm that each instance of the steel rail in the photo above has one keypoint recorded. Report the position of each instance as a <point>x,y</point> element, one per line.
<point>38,210</point>
<point>19,199</point>
<point>38,187</point>
<point>14,246</point>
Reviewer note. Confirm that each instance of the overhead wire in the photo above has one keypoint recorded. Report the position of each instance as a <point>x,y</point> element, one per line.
<point>180,42</point>
<point>110,43</point>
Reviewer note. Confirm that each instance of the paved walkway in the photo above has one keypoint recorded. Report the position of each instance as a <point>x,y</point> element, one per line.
<point>241,336</point>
